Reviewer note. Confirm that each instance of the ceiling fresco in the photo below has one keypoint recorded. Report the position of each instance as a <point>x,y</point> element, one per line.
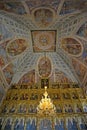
<point>43,38</point>
<point>44,41</point>
<point>43,17</point>
<point>16,47</point>
<point>72,46</point>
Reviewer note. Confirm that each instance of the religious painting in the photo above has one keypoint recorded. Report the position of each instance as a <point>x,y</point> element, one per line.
<point>31,124</point>
<point>8,124</point>
<point>44,67</point>
<point>71,124</point>
<point>61,77</point>
<point>82,123</point>
<point>80,69</point>
<point>4,59</point>
<point>16,47</point>
<point>19,124</point>
<point>59,124</point>
<point>44,82</point>
<point>13,7</point>
<point>43,17</point>
<point>44,41</point>
<point>4,32</point>
<point>28,78</point>
<point>45,124</point>
<point>67,7</point>
<point>84,55</point>
<point>53,4</point>
<point>9,72</point>
<point>83,31</point>
<point>72,46</point>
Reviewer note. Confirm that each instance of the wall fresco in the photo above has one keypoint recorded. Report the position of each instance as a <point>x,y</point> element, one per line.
<point>84,55</point>
<point>4,33</point>
<point>61,77</point>
<point>44,41</point>
<point>67,7</point>
<point>72,46</point>
<point>13,7</point>
<point>4,59</point>
<point>28,78</point>
<point>44,67</point>
<point>16,47</point>
<point>9,72</point>
<point>44,3</point>
<point>80,69</point>
<point>43,17</point>
<point>83,30</point>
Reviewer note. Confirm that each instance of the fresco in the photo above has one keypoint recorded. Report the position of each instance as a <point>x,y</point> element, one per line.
<point>84,55</point>
<point>72,46</point>
<point>83,30</point>
<point>61,77</point>
<point>13,7</point>
<point>32,4</point>
<point>67,7</point>
<point>4,33</point>
<point>1,96</point>
<point>9,72</point>
<point>44,67</point>
<point>43,17</point>
<point>4,59</point>
<point>28,78</point>
<point>80,69</point>
<point>44,41</point>
<point>16,47</point>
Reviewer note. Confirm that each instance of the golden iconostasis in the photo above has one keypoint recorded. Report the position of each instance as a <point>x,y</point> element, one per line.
<point>19,108</point>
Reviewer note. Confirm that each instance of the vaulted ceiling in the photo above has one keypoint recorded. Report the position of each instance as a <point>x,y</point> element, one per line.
<point>43,38</point>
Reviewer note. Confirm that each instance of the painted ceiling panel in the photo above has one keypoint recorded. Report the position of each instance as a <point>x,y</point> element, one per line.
<point>33,29</point>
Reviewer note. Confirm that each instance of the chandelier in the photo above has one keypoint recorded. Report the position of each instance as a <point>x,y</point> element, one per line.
<point>46,107</point>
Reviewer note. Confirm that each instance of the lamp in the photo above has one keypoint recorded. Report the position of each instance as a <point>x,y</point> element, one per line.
<point>46,107</point>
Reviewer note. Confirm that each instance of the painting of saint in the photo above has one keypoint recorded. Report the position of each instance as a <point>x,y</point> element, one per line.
<point>4,59</point>
<point>59,124</point>
<point>72,46</point>
<point>83,124</point>
<point>28,124</point>
<point>61,77</point>
<point>12,109</point>
<point>8,125</point>
<point>19,124</point>
<point>16,47</point>
<point>28,78</point>
<point>45,124</point>
<point>43,17</point>
<point>9,72</point>
<point>44,67</point>
<point>80,69</point>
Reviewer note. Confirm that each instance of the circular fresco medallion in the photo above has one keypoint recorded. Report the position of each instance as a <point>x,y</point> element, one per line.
<point>16,47</point>
<point>72,46</point>
<point>44,67</point>
<point>43,17</point>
